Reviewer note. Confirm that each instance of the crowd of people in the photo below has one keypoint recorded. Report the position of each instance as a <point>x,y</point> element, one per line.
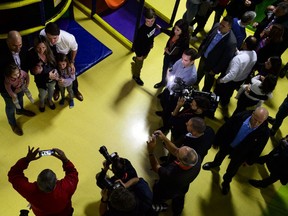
<point>248,68</point>
<point>50,61</point>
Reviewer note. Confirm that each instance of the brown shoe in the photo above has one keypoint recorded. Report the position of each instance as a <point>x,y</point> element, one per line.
<point>17,130</point>
<point>56,95</point>
<point>79,96</point>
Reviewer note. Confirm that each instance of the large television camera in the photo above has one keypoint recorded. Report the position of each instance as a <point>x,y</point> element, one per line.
<point>180,89</point>
<point>103,181</point>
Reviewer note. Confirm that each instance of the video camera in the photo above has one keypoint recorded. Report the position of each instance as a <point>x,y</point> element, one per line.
<point>189,93</point>
<point>109,157</point>
<point>103,181</point>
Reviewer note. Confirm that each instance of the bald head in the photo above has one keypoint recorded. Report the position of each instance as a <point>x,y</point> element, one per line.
<point>187,156</point>
<point>259,116</point>
<point>14,41</point>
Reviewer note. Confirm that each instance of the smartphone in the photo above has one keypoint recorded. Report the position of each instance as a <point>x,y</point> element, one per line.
<point>46,152</point>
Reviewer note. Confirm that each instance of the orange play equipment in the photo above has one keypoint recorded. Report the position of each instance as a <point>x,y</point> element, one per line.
<point>104,5</point>
<point>114,4</point>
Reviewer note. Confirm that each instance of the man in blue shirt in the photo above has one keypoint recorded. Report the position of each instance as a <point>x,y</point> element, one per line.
<point>182,74</point>
<point>243,137</point>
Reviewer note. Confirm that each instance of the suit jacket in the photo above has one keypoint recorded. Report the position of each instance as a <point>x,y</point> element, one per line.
<point>251,147</point>
<point>219,57</point>
<point>6,59</point>
<point>277,162</point>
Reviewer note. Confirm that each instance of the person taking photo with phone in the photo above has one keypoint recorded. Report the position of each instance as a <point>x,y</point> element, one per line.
<point>47,195</point>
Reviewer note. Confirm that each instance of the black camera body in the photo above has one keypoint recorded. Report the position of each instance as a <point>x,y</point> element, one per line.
<point>103,181</point>
<point>189,93</point>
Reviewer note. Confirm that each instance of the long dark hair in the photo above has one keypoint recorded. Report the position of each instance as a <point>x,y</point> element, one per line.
<point>49,54</point>
<point>184,26</point>
<point>268,84</point>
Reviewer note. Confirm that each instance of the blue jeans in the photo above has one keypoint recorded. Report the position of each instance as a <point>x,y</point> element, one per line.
<point>44,92</point>
<point>191,11</point>
<point>10,106</point>
<point>281,114</point>
<point>69,89</point>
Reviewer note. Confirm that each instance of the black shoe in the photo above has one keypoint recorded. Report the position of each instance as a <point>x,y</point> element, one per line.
<point>159,113</point>
<point>51,106</point>
<point>225,188</point>
<point>158,85</point>
<point>272,132</point>
<point>17,130</point>
<point>138,81</point>
<point>208,166</point>
<point>56,95</point>
<point>25,112</point>
<point>42,109</point>
<point>79,96</point>
<point>271,120</point>
<point>226,118</point>
<point>256,183</point>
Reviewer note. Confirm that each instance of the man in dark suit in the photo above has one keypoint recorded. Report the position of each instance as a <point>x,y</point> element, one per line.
<point>11,53</point>
<point>216,51</point>
<point>243,137</point>
<point>277,164</point>
<point>279,16</point>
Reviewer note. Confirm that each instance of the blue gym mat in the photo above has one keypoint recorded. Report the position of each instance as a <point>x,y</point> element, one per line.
<point>90,50</point>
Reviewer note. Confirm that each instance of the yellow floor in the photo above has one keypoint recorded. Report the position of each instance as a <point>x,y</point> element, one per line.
<point>119,114</point>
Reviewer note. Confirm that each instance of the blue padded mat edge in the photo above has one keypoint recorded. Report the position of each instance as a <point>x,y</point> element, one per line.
<point>90,50</point>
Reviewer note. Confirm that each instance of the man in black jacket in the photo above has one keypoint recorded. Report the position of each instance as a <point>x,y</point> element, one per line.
<point>216,51</point>
<point>279,16</point>
<point>11,52</point>
<point>243,137</point>
<point>277,163</point>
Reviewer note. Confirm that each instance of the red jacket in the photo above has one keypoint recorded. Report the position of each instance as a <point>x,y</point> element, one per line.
<point>55,203</point>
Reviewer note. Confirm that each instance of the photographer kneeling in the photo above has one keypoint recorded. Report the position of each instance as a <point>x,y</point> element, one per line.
<point>124,193</point>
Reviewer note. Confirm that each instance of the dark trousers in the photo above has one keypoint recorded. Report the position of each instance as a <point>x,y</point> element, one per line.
<point>161,197</point>
<point>233,166</point>
<point>201,22</point>
<point>201,72</point>
<point>281,114</point>
<point>168,103</point>
<point>10,106</point>
<point>244,102</point>
<point>167,63</point>
<point>225,91</point>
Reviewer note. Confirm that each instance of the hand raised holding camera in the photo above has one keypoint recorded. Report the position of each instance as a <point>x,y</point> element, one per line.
<point>60,155</point>
<point>159,134</point>
<point>32,154</point>
<point>105,165</point>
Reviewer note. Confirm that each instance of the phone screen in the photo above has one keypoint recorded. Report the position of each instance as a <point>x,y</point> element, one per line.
<point>46,152</point>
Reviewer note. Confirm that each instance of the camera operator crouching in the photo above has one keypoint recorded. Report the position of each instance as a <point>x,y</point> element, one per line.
<point>124,193</point>
<point>183,72</point>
